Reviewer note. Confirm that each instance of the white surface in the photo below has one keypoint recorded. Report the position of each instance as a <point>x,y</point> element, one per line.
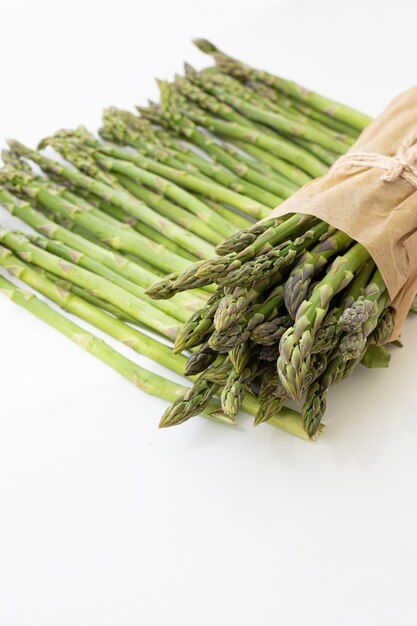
<point>104,519</point>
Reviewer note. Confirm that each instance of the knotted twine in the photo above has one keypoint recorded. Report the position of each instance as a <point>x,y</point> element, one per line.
<point>378,211</point>
<point>401,165</point>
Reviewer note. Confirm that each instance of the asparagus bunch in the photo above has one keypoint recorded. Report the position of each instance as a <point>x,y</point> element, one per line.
<point>127,227</point>
<point>301,289</point>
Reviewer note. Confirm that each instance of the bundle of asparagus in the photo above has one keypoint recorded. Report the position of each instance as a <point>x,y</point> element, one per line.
<point>297,306</point>
<point>131,224</point>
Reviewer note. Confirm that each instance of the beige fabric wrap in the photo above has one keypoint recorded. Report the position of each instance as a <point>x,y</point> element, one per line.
<point>380,214</point>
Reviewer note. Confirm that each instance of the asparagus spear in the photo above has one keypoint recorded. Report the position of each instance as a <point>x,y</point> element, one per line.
<point>280,123</point>
<point>231,160</point>
<point>354,316</point>
<point>325,119</point>
<point>211,190</point>
<point>15,163</point>
<point>107,190</point>
<point>296,343</point>
<point>169,181</point>
<point>231,115</point>
<point>279,147</point>
<point>120,264</point>
<point>320,103</point>
<point>262,270</point>
<point>329,332</point>
<point>314,408</point>
<point>231,215</point>
<point>139,376</point>
<point>218,269</point>
<point>121,219</point>
<point>154,384</point>
<point>254,97</point>
<point>243,238</point>
<point>279,165</point>
<point>200,360</point>
<point>268,406</point>
<point>268,98</point>
<point>132,305</point>
<point>287,419</point>
<point>202,168</point>
<point>241,355</point>
<point>150,172</point>
<point>64,285</point>
<point>60,292</point>
<point>193,402</point>
<point>265,159</point>
<point>383,331</point>
<point>63,251</point>
<point>353,344</point>
<point>116,237</point>
<point>269,333</point>
<point>188,155</point>
<point>262,168</point>
<point>316,400</point>
<point>198,328</point>
<point>311,263</point>
<point>133,129</point>
<point>221,268</point>
<point>234,390</point>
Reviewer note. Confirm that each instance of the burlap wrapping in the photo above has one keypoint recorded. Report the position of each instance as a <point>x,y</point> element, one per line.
<point>379,214</point>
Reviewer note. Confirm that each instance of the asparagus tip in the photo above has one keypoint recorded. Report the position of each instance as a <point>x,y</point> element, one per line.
<point>189,70</point>
<point>165,422</point>
<point>205,46</point>
<point>13,144</point>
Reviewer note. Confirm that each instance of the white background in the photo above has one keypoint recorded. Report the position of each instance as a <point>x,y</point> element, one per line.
<point>106,521</point>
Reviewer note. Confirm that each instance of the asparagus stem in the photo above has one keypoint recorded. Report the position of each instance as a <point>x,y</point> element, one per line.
<point>293,173</point>
<point>218,153</point>
<point>279,147</point>
<point>115,262</point>
<point>231,215</point>
<point>123,220</point>
<point>283,124</point>
<point>87,296</point>
<point>63,251</point>
<point>262,168</point>
<point>117,238</point>
<point>171,210</point>
<point>212,190</point>
<point>60,292</point>
<point>99,286</point>
<point>150,172</point>
<point>110,191</point>
<point>287,419</point>
<point>325,105</point>
<point>153,384</point>
<point>326,120</point>
<point>200,167</point>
